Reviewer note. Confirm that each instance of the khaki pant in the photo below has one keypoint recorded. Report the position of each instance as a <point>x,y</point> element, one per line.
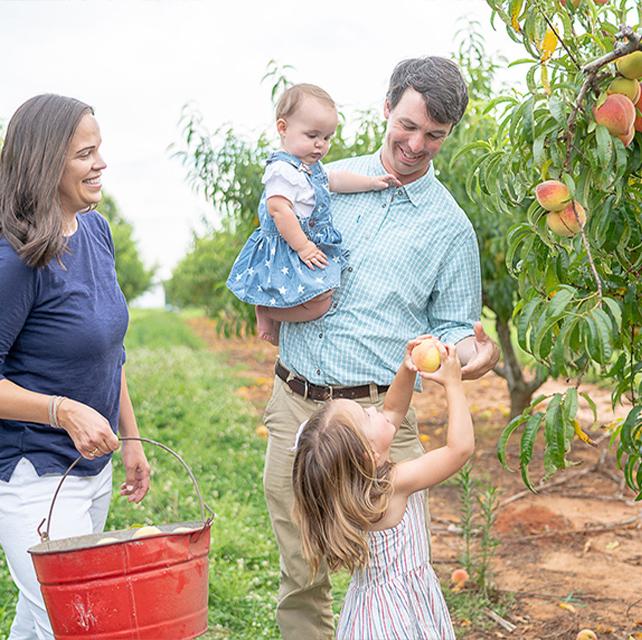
<point>304,609</point>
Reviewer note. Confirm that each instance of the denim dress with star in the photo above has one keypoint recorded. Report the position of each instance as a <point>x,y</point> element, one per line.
<point>268,271</point>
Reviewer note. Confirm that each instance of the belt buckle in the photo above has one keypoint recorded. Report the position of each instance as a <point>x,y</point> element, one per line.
<point>329,392</point>
<point>306,388</point>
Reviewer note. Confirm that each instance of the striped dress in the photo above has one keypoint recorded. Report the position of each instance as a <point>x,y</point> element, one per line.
<point>397,597</point>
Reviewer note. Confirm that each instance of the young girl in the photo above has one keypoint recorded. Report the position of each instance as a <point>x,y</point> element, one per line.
<point>358,510</point>
<point>292,262</point>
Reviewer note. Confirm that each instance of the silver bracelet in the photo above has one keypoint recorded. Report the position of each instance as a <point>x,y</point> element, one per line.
<point>54,404</point>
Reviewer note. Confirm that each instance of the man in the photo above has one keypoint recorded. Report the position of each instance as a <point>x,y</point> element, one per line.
<point>414,269</point>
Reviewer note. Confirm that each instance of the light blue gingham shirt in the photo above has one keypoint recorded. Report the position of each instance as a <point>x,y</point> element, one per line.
<point>413,269</point>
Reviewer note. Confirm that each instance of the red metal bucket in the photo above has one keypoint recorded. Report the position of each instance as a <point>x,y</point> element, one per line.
<point>148,588</point>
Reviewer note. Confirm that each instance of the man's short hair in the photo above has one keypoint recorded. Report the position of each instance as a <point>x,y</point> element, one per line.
<point>438,80</point>
<point>292,97</point>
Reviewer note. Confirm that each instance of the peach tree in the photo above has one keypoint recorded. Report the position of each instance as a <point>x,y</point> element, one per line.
<point>565,164</point>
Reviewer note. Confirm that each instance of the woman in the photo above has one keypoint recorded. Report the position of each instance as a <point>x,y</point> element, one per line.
<point>63,318</point>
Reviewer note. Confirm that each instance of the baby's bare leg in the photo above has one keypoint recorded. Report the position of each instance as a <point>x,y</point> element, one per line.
<point>266,327</point>
<point>310,310</point>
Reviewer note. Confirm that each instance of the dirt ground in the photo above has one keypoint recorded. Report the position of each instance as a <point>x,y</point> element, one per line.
<point>571,554</point>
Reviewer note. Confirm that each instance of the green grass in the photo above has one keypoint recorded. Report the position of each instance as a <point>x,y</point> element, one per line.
<point>184,397</point>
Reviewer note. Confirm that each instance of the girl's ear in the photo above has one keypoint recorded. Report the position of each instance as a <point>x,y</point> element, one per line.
<point>281,126</point>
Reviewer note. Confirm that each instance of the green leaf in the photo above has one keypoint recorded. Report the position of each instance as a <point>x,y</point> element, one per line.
<point>526,447</point>
<point>604,146</point>
<point>560,301</point>
<point>616,313</point>
<point>524,319</point>
<point>591,404</point>
<point>556,107</point>
<point>467,148</point>
<point>553,425</point>
<point>514,424</point>
<point>603,325</point>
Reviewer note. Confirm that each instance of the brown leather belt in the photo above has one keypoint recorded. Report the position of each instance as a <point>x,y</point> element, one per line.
<point>321,392</point>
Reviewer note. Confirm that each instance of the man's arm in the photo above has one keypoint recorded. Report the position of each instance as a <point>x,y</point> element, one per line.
<point>456,305</point>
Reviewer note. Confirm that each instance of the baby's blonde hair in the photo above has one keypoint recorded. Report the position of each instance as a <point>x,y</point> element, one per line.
<point>339,491</point>
<point>292,97</point>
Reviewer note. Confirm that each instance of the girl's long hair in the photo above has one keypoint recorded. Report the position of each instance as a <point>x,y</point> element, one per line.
<point>31,166</point>
<point>339,491</point>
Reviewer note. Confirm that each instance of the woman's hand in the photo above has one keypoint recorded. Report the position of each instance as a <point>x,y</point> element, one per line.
<point>91,432</point>
<point>137,471</point>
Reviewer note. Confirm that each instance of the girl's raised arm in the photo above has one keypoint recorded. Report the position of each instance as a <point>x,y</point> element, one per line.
<point>435,466</point>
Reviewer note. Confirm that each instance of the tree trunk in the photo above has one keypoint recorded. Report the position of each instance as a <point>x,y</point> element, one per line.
<point>521,390</point>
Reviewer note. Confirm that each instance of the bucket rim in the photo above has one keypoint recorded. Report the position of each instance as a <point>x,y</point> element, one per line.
<point>88,541</point>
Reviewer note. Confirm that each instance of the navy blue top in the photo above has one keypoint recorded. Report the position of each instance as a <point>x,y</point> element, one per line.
<point>61,333</point>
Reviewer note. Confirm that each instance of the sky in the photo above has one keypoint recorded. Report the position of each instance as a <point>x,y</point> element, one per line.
<point>139,62</point>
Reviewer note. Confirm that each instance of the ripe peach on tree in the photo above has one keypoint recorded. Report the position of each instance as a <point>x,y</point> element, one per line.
<point>575,122</point>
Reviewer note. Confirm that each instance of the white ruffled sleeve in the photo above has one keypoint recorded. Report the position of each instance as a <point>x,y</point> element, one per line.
<point>282,179</point>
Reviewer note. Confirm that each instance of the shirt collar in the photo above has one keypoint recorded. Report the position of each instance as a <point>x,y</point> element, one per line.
<point>417,191</point>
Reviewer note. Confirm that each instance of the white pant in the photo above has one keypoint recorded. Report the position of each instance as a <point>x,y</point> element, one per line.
<point>81,508</point>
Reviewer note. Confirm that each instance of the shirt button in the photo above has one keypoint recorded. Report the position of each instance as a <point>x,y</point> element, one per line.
<point>321,335</point>
<point>318,372</point>
<point>350,269</point>
<point>399,192</point>
<point>383,205</point>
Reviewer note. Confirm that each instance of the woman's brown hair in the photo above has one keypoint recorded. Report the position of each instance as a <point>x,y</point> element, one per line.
<point>31,166</point>
<point>339,491</point>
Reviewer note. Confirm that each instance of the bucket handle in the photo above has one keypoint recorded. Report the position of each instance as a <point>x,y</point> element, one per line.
<point>44,535</point>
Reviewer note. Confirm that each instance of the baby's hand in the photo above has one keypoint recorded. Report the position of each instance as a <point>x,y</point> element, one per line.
<point>312,255</point>
<point>379,183</point>
<point>449,371</point>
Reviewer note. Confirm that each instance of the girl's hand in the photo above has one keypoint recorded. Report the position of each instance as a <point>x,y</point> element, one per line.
<point>312,255</point>
<point>137,471</point>
<point>407,361</point>
<point>449,371</point>
<point>91,432</point>
<point>379,183</point>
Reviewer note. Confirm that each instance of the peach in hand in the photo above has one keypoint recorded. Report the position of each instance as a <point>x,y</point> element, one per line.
<point>564,223</point>
<point>426,356</point>
<point>552,195</point>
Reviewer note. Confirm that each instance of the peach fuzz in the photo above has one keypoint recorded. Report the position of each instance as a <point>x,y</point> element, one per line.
<point>616,113</point>
<point>630,66</point>
<point>626,87</point>
<point>552,195</point>
<point>627,139</point>
<point>426,356</point>
<point>564,223</point>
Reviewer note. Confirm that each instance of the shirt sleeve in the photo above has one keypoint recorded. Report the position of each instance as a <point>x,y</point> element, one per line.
<point>17,295</point>
<point>455,303</point>
<point>282,179</point>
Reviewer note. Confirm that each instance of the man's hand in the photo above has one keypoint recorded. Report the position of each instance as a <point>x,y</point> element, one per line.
<point>478,353</point>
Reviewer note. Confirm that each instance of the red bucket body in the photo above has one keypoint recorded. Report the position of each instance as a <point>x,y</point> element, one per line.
<point>151,588</point>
